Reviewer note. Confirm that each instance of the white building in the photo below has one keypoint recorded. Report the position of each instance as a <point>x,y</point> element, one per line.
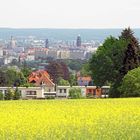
<point>26,93</point>
<point>59,91</point>
<point>77,54</point>
<point>64,54</point>
<point>41,53</point>
<point>9,59</point>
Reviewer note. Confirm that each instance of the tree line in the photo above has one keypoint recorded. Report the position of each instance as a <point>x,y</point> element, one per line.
<point>16,77</point>
<point>113,62</point>
<point>12,77</point>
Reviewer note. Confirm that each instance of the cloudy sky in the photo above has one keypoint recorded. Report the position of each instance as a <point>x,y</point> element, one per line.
<point>70,13</point>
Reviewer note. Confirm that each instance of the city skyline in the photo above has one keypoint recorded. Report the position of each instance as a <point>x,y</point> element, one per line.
<point>70,14</point>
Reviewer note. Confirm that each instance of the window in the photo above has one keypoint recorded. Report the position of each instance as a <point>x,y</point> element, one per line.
<point>65,90</point>
<point>60,90</point>
<point>31,93</point>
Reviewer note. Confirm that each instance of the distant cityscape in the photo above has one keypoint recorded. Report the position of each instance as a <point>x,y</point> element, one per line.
<point>31,48</point>
<point>31,45</point>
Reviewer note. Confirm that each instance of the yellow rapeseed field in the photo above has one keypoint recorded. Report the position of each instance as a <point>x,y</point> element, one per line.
<point>97,119</point>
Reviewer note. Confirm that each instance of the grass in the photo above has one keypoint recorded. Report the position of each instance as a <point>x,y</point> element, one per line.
<point>98,119</point>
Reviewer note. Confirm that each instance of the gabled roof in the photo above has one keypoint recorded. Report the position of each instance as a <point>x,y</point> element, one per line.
<point>40,77</point>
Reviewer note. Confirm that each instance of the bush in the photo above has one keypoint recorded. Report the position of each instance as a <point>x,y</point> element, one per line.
<point>1,96</point>
<point>75,93</point>
<point>17,94</point>
<point>131,84</point>
<point>62,82</point>
<point>8,95</point>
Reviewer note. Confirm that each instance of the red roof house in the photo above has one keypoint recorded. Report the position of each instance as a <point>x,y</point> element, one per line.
<point>40,77</point>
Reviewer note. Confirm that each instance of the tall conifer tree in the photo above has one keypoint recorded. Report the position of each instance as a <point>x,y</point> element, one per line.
<point>131,58</point>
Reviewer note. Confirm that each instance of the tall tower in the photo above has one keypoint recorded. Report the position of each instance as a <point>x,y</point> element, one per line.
<point>12,42</point>
<point>78,41</point>
<point>46,43</point>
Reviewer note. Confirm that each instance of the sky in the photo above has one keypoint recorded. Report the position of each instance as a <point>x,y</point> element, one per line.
<point>70,13</point>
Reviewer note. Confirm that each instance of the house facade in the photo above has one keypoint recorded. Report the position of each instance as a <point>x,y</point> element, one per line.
<point>42,78</point>
<point>58,91</point>
<point>26,93</point>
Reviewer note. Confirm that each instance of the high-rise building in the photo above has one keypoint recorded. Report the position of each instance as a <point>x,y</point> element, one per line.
<point>1,51</point>
<point>47,43</point>
<point>78,41</point>
<point>12,42</point>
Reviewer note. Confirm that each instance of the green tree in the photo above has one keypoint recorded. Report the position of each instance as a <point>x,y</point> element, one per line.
<point>129,61</point>
<point>62,82</point>
<point>75,93</point>
<point>17,94</point>
<point>114,59</point>
<point>27,84</point>
<point>75,65</point>
<point>131,84</point>
<point>128,34</point>
<point>85,71</point>
<point>73,80</point>
<point>26,71</point>
<point>11,77</point>
<point>107,61</point>
<point>131,58</point>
